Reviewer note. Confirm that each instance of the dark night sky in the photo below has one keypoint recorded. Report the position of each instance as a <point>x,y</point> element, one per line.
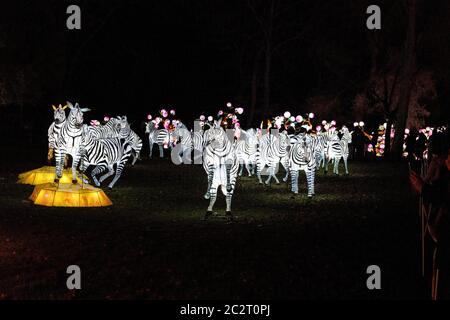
<point>197,55</point>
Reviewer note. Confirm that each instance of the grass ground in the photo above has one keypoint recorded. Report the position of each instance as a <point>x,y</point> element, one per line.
<point>151,243</point>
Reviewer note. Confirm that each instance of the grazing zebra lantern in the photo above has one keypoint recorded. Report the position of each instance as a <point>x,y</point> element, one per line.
<point>69,141</point>
<point>59,117</point>
<point>185,138</point>
<point>221,166</point>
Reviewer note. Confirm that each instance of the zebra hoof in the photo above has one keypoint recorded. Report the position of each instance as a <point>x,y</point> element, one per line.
<point>74,181</point>
<point>278,183</point>
<point>56,180</point>
<point>110,188</point>
<point>229,189</point>
<point>207,215</point>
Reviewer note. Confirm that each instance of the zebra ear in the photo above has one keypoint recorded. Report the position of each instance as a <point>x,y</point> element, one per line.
<point>64,108</point>
<point>84,109</point>
<point>70,105</point>
<point>54,108</point>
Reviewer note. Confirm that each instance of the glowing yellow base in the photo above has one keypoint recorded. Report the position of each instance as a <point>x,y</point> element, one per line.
<point>69,195</point>
<point>45,175</point>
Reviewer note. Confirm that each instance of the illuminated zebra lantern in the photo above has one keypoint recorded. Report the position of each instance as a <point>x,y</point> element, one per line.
<point>301,157</point>
<point>69,140</point>
<point>338,149</point>
<point>161,137</point>
<point>221,166</point>
<point>59,117</point>
<point>246,148</point>
<point>104,153</point>
<point>131,137</point>
<point>272,149</point>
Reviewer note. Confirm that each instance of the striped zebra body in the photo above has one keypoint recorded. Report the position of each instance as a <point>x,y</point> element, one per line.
<point>59,117</point>
<point>104,154</point>
<point>132,138</point>
<point>221,166</point>
<point>198,145</point>
<point>69,141</point>
<point>302,157</point>
<point>161,137</point>
<point>184,136</point>
<point>246,148</point>
<point>338,149</point>
<point>272,149</point>
<point>110,129</point>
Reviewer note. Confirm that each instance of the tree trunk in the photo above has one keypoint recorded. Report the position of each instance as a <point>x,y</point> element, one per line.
<point>387,139</point>
<point>254,89</point>
<point>407,80</point>
<point>267,65</point>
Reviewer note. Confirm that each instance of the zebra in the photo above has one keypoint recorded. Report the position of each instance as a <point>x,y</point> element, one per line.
<point>104,153</point>
<point>301,157</point>
<point>185,137</point>
<point>159,136</point>
<point>246,148</point>
<point>110,129</point>
<point>133,138</point>
<point>221,166</point>
<point>339,149</point>
<point>59,117</point>
<point>272,149</point>
<point>69,141</point>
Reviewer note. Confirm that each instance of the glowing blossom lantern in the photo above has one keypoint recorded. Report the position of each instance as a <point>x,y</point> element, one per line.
<point>324,122</point>
<point>292,119</point>
<point>220,113</point>
<point>172,112</point>
<point>287,114</point>
<point>361,123</point>
<point>106,118</point>
<point>355,124</point>
<point>229,105</point>
<point>406,131</point>
<point>333,123</point>
<point>202,118</point>
<point>299,118</point>
<point>318,128</point>
<point>210,118</point>
<point>164,113</point>
<point>311,115</point>
<point>149,117</point>
<point>239,110</point>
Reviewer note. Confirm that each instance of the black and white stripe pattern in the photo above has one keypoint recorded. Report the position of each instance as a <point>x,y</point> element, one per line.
<point>104,154</point>
<point>59,117</point>
<point>69,141</point>
<point>338,148</point>
<point>221,166</point>
<point>246,148</point>
<point>302,157</point>
<point>272,149</point>
<point>160,137</point>
<point>131,137</point>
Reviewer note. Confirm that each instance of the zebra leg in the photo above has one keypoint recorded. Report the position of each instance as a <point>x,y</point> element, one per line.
<point>151,150</point>
<point>274,175</point>
<point>161,151</point>
<point>269,170</point>
<point>210,179</point>
<point>309,180</point>
<point>212,201</point>
<point>336,166</point>
<point>294,181</point>
<point>59,162</point>
<point>248,168</point>
<point>258,172</point>
<point>313,177</point>
<point>228,170</point>
<point>241,167</point>
<point>97,170</point>
<point>228,212</point>
<point>345,164</point>
<point>107,175</point>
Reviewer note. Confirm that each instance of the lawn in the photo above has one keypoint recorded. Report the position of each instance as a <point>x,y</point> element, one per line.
<point>151,244</point>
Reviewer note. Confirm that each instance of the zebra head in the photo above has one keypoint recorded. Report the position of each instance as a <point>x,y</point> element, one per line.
<point>76,115</point>
<point>346,135</point>
<point>59,115</point>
